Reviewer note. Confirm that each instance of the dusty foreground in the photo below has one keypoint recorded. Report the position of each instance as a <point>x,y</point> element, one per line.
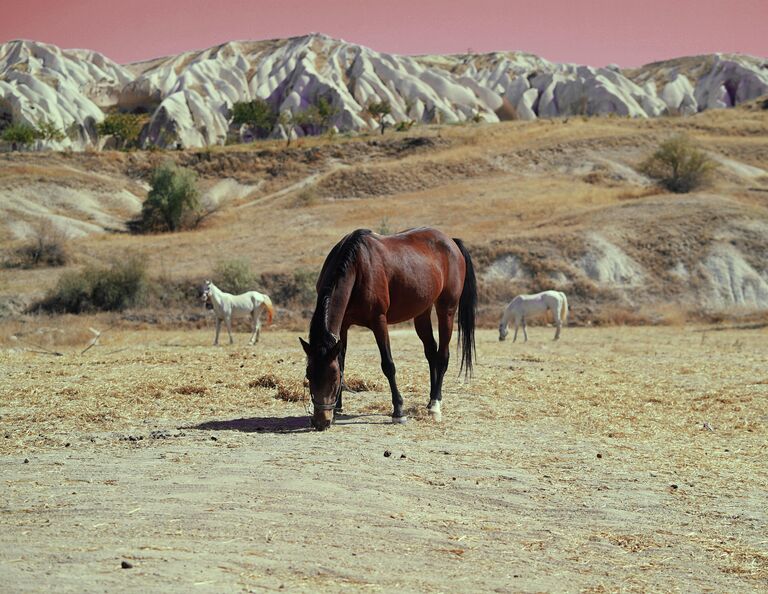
<point>624,459</point>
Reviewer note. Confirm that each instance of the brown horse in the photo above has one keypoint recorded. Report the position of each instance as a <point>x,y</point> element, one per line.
<point>372,280</point>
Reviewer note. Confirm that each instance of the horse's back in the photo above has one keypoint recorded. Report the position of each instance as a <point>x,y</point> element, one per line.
<point>409,271</point>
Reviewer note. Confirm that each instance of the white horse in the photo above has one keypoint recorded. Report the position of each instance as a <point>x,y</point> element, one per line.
<point>524,305</point>
<point>226,306</point>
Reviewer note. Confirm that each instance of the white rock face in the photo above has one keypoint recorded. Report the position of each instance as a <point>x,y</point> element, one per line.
<point>68,88</point>
<point>608,265</point>
<point>189,97</point>
<point>732,280</point>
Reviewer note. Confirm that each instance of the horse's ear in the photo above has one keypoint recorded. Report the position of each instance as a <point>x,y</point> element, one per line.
<point>304,345</point>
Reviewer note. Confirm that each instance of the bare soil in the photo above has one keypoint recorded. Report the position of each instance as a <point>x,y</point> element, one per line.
<point>621,459</point>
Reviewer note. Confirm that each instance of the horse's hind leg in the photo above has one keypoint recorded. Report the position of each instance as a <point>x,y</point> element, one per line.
<point>255,327</point>
<point>423,326</point>
<point>445,316</point>
<point>525,332</point>
<point>558,323</point>
<point>229,329</point>
<point>381,333</point>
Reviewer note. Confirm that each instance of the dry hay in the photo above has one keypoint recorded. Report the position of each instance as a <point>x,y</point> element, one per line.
<point>288,390</point>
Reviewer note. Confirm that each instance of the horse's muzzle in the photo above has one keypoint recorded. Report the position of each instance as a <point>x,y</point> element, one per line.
<point>322,421</point>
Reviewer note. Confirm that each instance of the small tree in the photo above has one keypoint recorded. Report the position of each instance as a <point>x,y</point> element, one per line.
<point>257,115</point>
<point>173,199</point>
<point>124,127</point>
<point>46,247</point>
<point>20,135</point>
<point>378,110</point>
<point>317,118</point>
<point>678,165</point>
<point>49,131</point>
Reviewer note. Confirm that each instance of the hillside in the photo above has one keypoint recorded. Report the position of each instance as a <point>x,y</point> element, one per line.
<point>188,98</point>
<point>542,204</point>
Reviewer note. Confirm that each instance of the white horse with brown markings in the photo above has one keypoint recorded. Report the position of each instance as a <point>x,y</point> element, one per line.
<point>227,306</point>
<point>526,305</point>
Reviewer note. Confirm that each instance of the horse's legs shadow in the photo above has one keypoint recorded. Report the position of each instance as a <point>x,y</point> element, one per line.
<point>282,424</point>
<point>258,425</point>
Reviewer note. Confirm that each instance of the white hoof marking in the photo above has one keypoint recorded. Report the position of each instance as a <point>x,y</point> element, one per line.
<point>400,420</point>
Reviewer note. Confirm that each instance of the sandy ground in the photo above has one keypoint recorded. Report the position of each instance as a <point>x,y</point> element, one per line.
<point>622,459</point>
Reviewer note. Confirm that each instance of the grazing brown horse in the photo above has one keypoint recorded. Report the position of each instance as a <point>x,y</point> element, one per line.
<point>373,280</point>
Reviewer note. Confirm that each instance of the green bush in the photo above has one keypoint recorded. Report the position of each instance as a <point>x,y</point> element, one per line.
<point>20,135</point>
<point>234,276</point>
<point>173,201</point>
<point>258,114</point>
<point>49,131</point>
<point>678,165</point>
<point>124,127</point>
<point>122,285</point>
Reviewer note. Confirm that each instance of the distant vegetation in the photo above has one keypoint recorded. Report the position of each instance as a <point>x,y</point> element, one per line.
<point>378,111</point>
<point>258,115</point>
<point>125,128</point>
<point>21,135</point>
<point>234,276</point>
<point>173,202</point>
<point>122,285</point>
<point>47,247</point>
<point>678,165</point>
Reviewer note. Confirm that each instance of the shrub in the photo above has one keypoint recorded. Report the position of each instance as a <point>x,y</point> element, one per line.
<point>378,111</point>
<point>234,276</point>
<point>48,131</point>
<point>47,247</point>
<point>257,114</point>
<point>20,135</point>
<point>678,165</point>
<point>173,200</point>
<point>306,197</point>
<point>296,289</point>
<point>124,127</point>
<point>118,287</point>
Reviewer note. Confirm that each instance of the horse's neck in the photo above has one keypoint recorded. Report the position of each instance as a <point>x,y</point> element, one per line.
<point>217,297</point>
<point>337,302</point>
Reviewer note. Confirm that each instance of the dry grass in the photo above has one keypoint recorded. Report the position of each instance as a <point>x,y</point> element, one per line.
<point>521,188</point>
<point>614,458</point>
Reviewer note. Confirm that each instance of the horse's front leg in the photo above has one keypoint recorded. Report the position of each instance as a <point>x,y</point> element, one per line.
<point>229,329</point>
<point>218,329</point>
<point>517,323</point>
<point>342,358</point>
<point>381,333</point>
<point>525,332</point>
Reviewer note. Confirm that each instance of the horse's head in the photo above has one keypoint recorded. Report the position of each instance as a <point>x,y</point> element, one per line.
<point>205,291</point>
<point>503,331</point>
<point>324,375</point>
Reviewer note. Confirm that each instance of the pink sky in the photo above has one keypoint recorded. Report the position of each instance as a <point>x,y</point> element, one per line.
<point>595,32</point>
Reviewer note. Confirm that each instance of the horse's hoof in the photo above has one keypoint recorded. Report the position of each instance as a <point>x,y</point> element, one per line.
<point>435,410</point>
<point>400,420</point>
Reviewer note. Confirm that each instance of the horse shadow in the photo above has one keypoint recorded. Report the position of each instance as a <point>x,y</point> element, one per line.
<point>280,424</point>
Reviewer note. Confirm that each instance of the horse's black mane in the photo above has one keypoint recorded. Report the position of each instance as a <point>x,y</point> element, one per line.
<point>336,265</point>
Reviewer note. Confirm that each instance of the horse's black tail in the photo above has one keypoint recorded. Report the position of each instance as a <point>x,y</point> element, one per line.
<point>467,312</point>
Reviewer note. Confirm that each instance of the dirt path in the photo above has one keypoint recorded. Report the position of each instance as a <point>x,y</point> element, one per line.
<point>615,460</point>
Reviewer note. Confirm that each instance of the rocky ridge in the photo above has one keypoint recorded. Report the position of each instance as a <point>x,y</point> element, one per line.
<point>188,97</point>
